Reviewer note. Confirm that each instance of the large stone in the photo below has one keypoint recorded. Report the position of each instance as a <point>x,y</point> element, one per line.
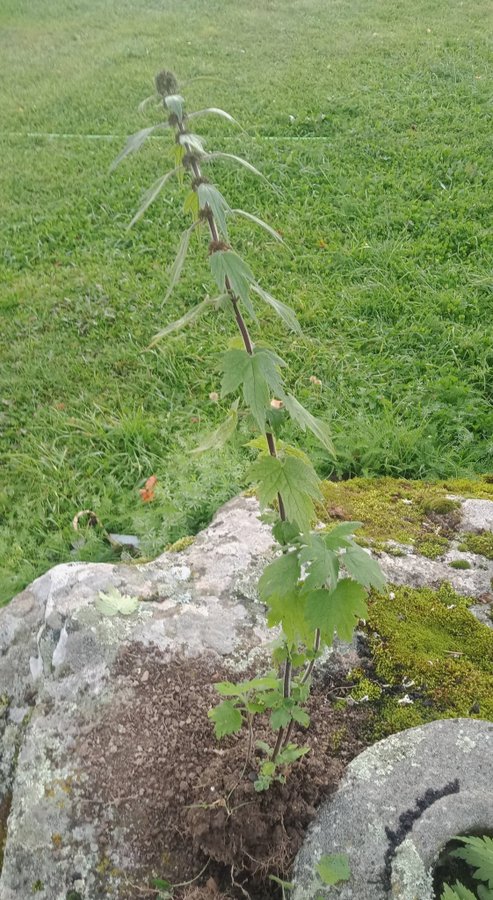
<point>399,803</point>
<point>477,515</point>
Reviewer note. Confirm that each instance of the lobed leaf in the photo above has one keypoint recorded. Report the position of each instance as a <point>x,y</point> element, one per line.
<point>305,420</point>
<point>363,567</point>
<point>227,718</point>
<point>322,564</point>
<point>293,478</point>
<point>227,266</point>
<point>209,196</point>
<point>220,435</point>
<point>457,892</point>
<point>257,373</point>
<point>280,577</point>
<point>337,611</point>
<point>115,603</point>
<point>186,319</point>
<point>341,535</point>
<point>478,853</point>
<point>284,312</point>
<point>193,142</point>
<point>176,269</point>
<point>215,111</point>
<point>135,142</point>
<point>150,195</point>
<point>175,103</point>
<point>246,215</point>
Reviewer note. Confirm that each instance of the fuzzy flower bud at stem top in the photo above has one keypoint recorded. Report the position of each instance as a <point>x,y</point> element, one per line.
<point>166,83</point>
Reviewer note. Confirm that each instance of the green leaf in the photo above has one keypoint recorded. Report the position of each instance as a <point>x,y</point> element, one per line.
<point>294,479</point>
<point>478,853</point>
<point>194,313</point>
<point>135,142</point>
<point>220,435</point>
<point>228,266</point>
<point>176,268</point>
<point>175,103</point>
<point>151,194</point>
<point>305,420</point>
<point>114,603</point>
<point>341,535</point>
<point>291,753</point>
<point>210,157</point>
<point>280,577</point>
<point>338,610</point>
<point>258,373</point>
<point>193,143</point>
<point>299,715</point>
<point>321,563</point>
<point>257,221</point>
<point>229,689</point>
<point>226,717</point>
<point>284,312</point>
<point>280,718</point>
<point>215,111</point>
<point>285,532</point>
<point>484,893</point>
<point>289,612</point>
<point>458,892</point>
<point>363,567</point>
<point>209,196</point>
<point>334,868</point>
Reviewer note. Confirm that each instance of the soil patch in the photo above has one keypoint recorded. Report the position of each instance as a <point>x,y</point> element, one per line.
<point>153,768</point>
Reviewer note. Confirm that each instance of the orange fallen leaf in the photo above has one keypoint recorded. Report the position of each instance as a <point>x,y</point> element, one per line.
<point>147,492</point>
<point>322,244</point>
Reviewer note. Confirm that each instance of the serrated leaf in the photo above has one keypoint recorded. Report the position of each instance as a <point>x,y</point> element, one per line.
<point>251,218</point>
<point>227,266</point>
<point>288,611</point>
<point>280,718</point>
<point>285,532</point>
<point>300,716</point>
<point>280,577</point>
<point>176,269</point>
<point>229,689</point>
<point>227,718</point>
<point>209,196</point>
<point>484,893</point>
<point>337,611</point>
<point>193,142</point>
<point>215,111</point>
<point>341,535</point>
<point>478,853</point>
<point>284,312</point>
<point>220,435</point>
<point>458,892</point>
<point>294,479</point>
<point>291,753</point>
<point>175,103</point>
<point>321,563</point>
<point>150,195</point>
<point>334,868</point>
<point>210,157</point>
<point>184,320</point>
<point>134,143</point>
<point>257,373</point>
<point>363,567</point>
<point>114,603</point>
<point>305,420</point>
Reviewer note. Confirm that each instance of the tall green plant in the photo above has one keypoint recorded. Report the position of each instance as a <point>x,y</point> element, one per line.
<point>317,586</point>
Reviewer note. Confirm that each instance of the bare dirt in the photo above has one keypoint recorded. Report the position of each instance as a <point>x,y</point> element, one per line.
<point>187,803</point>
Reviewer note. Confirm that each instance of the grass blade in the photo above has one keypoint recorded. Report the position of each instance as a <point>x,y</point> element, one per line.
<point>210,157</point>
<point>151,194</point>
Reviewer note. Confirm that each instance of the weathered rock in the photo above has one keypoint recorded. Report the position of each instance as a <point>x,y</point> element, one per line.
<point>477,515</point>
<point>418,571</point>
<point>397,806</point>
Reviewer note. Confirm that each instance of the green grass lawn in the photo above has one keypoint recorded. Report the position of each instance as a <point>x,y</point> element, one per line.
<point>374,121</point>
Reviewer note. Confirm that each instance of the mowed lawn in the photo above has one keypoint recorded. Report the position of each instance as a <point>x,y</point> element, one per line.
<point>373,121</point>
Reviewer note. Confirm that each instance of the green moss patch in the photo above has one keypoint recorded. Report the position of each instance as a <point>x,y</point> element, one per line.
<point>460,564</point>
<point>410,512</point>
<point>427,644</point>
<point>478,543</point>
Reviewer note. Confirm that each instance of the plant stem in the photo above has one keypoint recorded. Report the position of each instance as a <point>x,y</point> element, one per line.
<point>306,675</point>
<point>288,668</point>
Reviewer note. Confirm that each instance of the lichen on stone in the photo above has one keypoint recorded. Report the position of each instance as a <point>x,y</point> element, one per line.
<point>431,656</point>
